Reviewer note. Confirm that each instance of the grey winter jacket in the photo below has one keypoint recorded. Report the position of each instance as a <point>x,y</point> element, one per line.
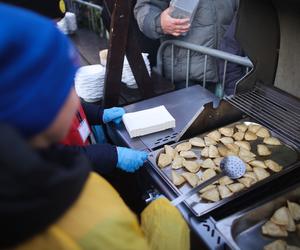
<point>209,24</point>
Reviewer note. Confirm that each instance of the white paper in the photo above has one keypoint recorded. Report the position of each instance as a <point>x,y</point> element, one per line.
<point>89,82</point>
<point>84,130</point>
<point>148,121</point>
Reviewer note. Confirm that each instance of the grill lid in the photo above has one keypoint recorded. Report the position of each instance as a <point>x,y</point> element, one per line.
<point>268,32</point>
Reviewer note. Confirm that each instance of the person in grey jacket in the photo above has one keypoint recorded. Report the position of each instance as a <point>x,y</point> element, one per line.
<point>209,24</point>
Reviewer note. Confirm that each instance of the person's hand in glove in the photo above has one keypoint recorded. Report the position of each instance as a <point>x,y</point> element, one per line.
<point>113,114</point>
<point>130,160</point>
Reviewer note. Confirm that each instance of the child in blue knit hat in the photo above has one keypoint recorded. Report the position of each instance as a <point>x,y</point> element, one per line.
<point>104,157</point>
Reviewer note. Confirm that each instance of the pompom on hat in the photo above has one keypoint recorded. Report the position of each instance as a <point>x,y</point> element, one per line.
<point>37,69</point>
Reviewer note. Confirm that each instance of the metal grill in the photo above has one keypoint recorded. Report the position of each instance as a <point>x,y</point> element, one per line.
<point>273,109</point>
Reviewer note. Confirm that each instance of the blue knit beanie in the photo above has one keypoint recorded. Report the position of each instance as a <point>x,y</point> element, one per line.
<point>37,68</point>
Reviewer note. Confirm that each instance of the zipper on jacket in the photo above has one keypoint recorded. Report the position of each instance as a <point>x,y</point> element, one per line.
<point>216,24</point>
<point>214,62</point>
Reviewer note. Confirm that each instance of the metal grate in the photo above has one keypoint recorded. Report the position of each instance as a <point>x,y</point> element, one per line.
<point>272,108</point>
<point>211,236</point>
<point>164,140</point>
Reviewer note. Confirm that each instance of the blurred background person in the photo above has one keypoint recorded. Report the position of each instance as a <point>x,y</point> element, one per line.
<point>54,9</point>
<point>207,28</point>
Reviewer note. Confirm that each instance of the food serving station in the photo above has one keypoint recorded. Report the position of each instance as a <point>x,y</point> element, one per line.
<point>268,98</point>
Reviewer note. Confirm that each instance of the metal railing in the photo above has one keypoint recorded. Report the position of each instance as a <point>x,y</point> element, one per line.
<point>218,54</point>
<point>93,12</point>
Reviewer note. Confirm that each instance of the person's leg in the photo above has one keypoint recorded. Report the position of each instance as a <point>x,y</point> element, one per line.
<point>211,86</point>
<point>182,84</point>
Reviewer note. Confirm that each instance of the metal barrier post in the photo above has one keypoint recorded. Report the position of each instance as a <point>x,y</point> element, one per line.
<point>218,54</point>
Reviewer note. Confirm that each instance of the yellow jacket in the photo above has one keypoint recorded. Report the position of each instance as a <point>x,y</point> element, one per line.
<point>99,219</point>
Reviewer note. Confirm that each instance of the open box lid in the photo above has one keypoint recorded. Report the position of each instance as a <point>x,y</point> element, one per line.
<point>269,33</point>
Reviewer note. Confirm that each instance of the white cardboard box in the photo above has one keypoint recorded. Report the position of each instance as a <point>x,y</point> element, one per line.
<point>148,121</point>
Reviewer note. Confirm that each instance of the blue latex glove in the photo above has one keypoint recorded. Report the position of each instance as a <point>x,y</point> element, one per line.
<point>130,160</point>
<point>113,114</point>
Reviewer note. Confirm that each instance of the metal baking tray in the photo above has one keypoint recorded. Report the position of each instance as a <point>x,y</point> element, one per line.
<point>243,230</point>
<point>285,155</point>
